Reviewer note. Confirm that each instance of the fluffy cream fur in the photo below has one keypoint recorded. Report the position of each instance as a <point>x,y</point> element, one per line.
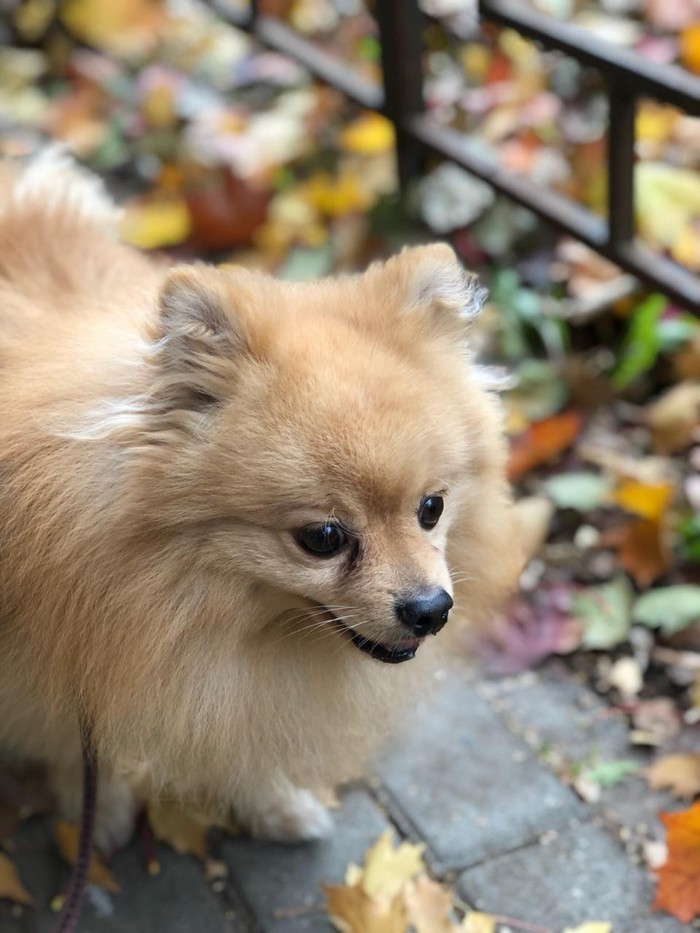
<point>164,433</point>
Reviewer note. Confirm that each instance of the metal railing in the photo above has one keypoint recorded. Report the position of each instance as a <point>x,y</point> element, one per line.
<point>627,76</point>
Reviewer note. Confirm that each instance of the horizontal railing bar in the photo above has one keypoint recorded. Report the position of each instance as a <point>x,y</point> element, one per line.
<point>679,283</point>
<point>332,71</point>
<point>667,83</point>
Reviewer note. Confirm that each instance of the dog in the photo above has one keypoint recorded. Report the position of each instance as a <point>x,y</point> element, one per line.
<point>232,510</point>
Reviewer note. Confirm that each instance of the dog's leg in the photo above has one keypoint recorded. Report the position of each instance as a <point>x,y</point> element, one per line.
<point>116,804</point>
<point>276,809</point>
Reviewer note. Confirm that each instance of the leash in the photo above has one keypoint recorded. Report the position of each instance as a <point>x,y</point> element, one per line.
<point>78,879</point>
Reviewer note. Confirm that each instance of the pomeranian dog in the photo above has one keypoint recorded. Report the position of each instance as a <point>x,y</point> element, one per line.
<point>231,509</point>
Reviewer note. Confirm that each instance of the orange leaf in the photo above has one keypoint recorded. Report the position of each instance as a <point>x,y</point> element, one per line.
<point>66,837</point>
<point>648,500</point>
<point>11,887</point>
<point>678,890</point>
<point>542,442</point>
<point>690,47</point>
<point>641,550</point>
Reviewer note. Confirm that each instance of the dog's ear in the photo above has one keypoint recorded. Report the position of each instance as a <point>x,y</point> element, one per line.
<point>434,281</point>
<point>198,336</point>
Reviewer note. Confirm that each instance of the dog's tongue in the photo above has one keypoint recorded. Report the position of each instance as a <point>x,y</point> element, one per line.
<point>409,644</point>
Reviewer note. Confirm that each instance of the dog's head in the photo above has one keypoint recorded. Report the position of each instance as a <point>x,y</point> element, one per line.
<point>326,442</point>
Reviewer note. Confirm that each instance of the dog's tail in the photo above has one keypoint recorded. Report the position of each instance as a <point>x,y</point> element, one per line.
<point>50,209</point>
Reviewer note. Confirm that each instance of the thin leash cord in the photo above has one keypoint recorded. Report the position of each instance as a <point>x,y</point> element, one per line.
<point>76,889</point>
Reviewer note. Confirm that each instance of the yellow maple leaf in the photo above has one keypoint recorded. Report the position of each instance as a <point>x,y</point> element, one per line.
<point>11,886</point>
<point>476,922</point>
<point>352,910</point>
<point>156,222</point>
<point>370,134</point>
<point>387,869</point>
<point>66,838</point>
<point>593,927</point>
<point>428,906</point>
<point>648,500</point>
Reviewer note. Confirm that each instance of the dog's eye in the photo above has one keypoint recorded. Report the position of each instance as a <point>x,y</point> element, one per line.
<point>322,540</point>
<point>429,511</point>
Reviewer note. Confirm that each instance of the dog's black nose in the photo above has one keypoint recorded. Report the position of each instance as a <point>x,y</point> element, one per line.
<point>425,611</point>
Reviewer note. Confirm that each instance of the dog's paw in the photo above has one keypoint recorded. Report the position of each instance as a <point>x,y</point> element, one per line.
<point>295,817</point>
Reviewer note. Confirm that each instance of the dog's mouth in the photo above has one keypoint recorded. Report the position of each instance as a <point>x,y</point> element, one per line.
<point>403,650</point>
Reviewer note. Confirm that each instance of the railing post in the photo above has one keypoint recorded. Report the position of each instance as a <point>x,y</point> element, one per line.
<point>622,113</point>
<point>401,36</point>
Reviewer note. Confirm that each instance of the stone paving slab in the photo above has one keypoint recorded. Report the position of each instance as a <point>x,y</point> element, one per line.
<point>279,877</point>
<point>581,876</point>
<point>550,710</point>
<point>178,900</point>
<point>465,785</point>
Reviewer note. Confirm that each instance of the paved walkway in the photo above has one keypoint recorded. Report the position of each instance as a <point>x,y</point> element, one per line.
<point>471,780</point>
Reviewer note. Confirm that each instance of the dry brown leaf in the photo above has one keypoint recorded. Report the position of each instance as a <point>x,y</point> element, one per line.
<point>674,418</point>
<point>66,837</point>
<point>352,910</point>
<point>428,906</point>
<point>387,869</point>
<point>476,922</point>
<point>183,830</point>
<point>11,888</point>
<point>680,773</point>
<point>642,550</point>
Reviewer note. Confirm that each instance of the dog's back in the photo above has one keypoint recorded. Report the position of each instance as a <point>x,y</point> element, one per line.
<point>56,252</point>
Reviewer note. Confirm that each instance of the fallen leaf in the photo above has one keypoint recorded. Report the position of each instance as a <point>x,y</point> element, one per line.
<point>648,500</point>
<point>475,922</point>
<point>127,27</point>
<point>641,345</point>
<point>582,490</point>
<point>690,47</point>
<point>679,773</point>
<point>352,910</point>
<point>183,830</point>
<point>66,838</point>
<point>369,134</point>
<point>641,550</point>
<point>674,418</point>
<point>428,906</point>
<point>669,608</point>
<point>542,442</point>
<point>152,223</point>
<point>388,869</point>
<point>678,890</point>
<point>534,515</point>
<point>11,888</point>
<point>610,773</point>
<point>626,676</point>
<point>605,613</point>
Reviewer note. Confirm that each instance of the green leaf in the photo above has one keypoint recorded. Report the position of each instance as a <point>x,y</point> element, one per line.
<point>582,491</point>
<point>641,345</point>
<point>609,773</point>
<point>540,390</point>
<point>303,265</point>
<point>605,613</point>
<point>670,608</point>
